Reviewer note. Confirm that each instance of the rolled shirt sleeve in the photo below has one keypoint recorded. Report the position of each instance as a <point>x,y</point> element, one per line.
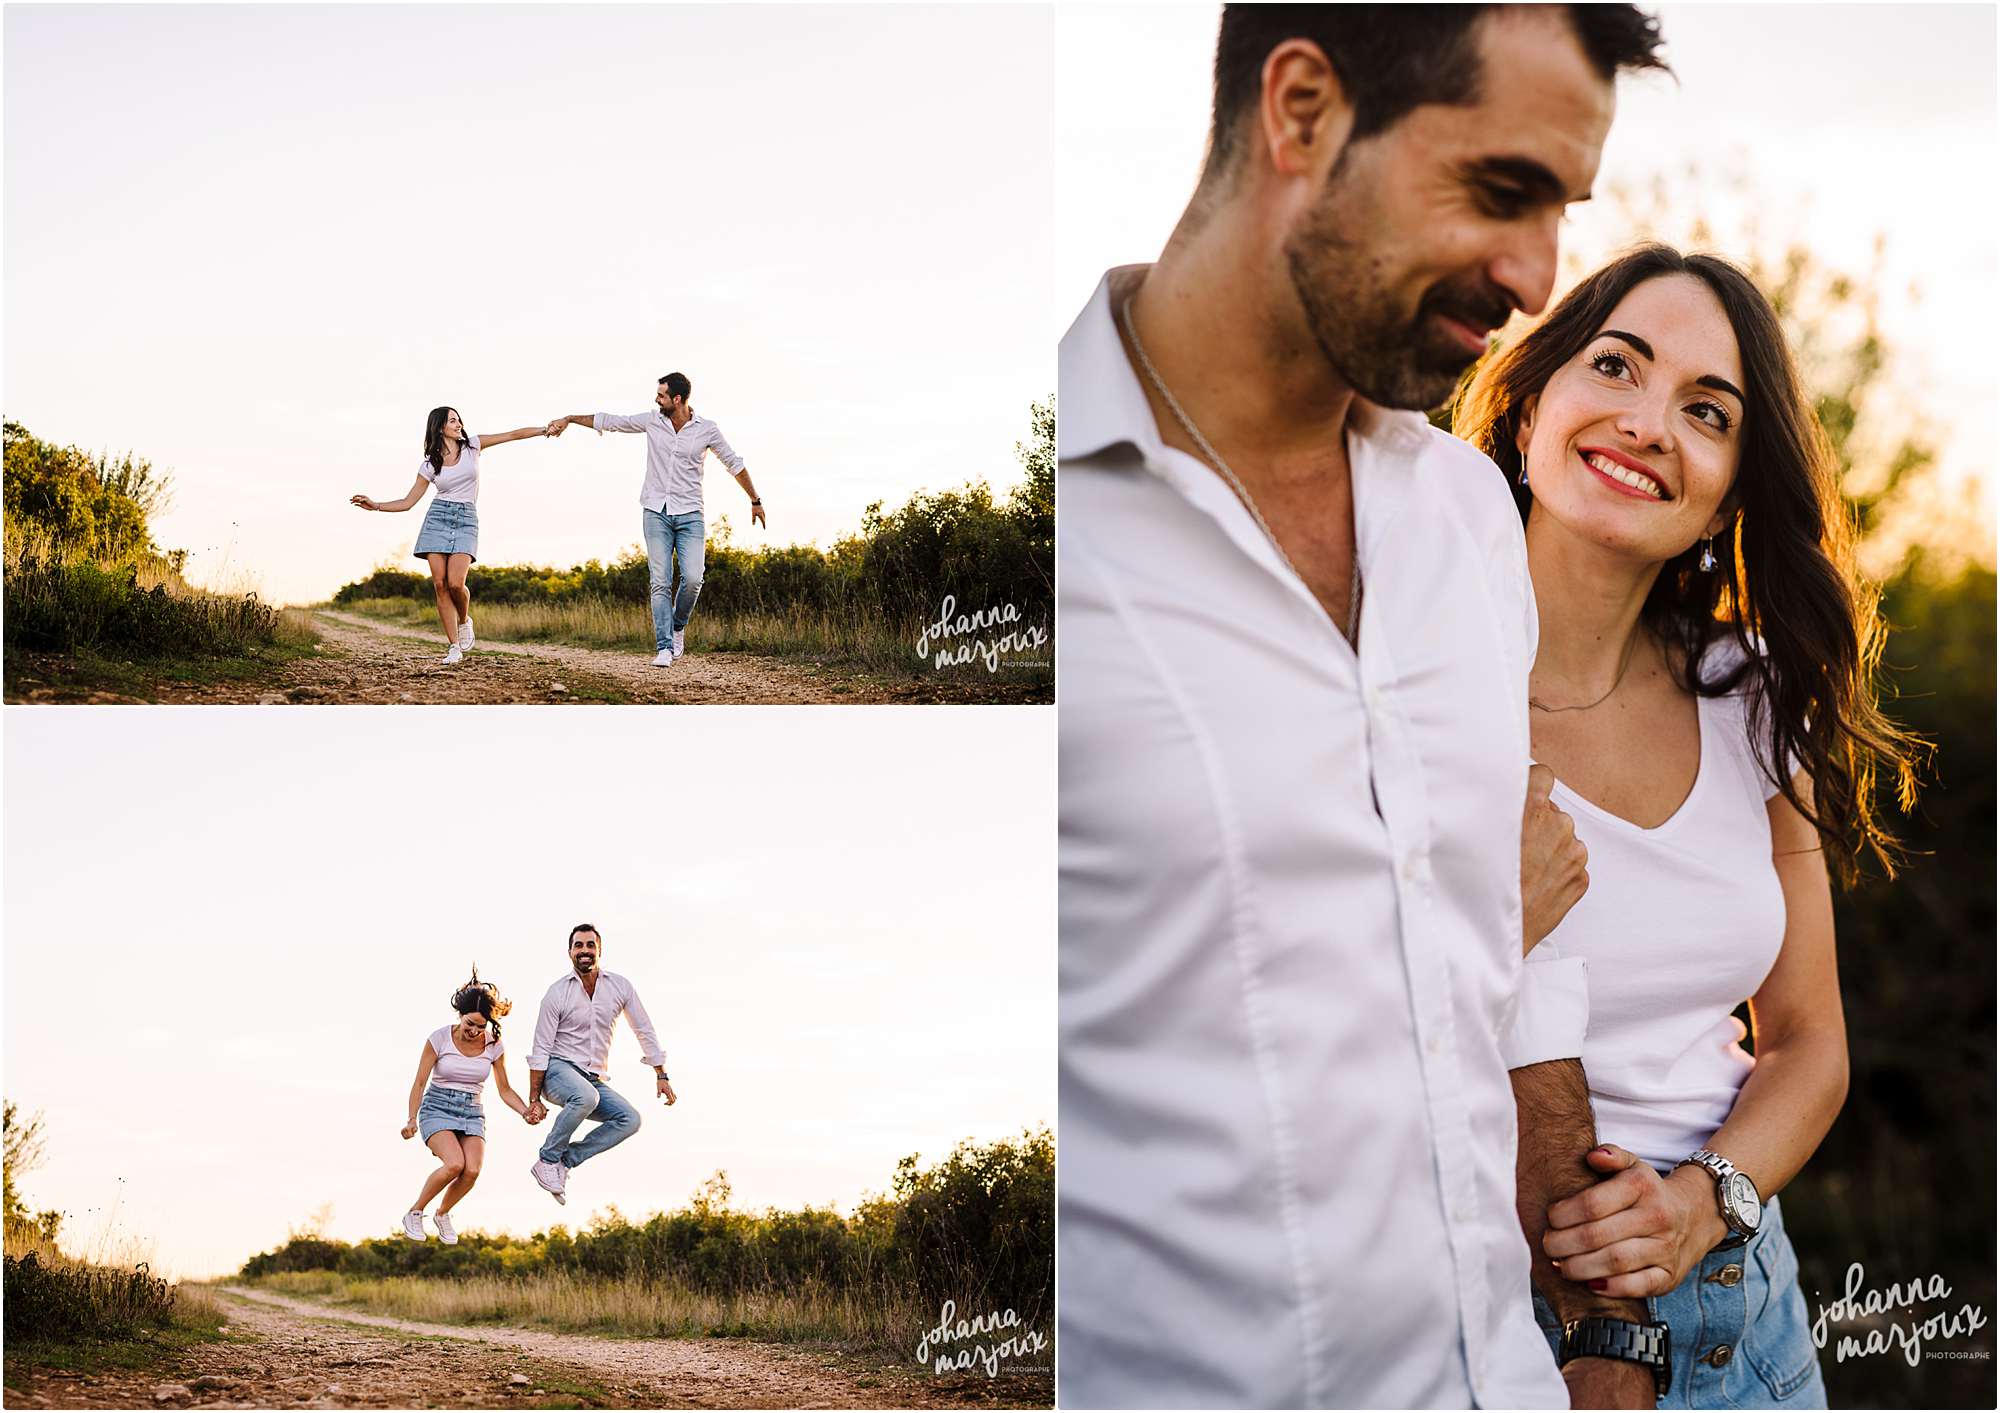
<point>1554,1011</point>
<point>618,421</point>
<point>545,1031</point>
<point>724,452</point>
<point>642,1026</point>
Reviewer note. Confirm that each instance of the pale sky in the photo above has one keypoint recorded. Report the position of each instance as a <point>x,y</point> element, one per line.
<point>228,934</point>
<point>1847,120</point>
<point>257,244</point>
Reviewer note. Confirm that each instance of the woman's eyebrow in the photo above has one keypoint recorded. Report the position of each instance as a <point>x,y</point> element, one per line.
<point>1706,380</point>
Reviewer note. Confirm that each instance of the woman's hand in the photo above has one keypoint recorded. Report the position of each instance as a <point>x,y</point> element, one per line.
<point>410,1129</point>
<point>555,428</point>
<point>1634,1233</point>
<point>364,502</point>
<point>1553,859</point>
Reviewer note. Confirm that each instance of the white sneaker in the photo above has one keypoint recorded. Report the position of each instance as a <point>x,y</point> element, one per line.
<point>454,654</point>
<point>664,658</point>
<point>680,642</point>
<point>446,1233</point>
<point>413,1226</point>
<point>550,1177</point>
<point>465,634</point>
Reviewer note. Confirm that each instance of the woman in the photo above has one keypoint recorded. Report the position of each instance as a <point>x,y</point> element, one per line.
<point>456,1060</point>
<point>449,538</point>
<point>1700,623</point>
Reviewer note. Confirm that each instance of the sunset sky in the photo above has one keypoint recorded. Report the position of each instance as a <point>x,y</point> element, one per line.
<point>1879,121</point>
<point>271,238</point>
<point>229,933</point>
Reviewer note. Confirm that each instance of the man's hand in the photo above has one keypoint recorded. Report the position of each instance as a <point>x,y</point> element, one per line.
<point>1609,1383</point>
<point>1553,876</point>
<point>1634,1233</point>
<point>537,1111</point>
<point>555,428</point>
<point>757,514</point>
<point>663,1089</point>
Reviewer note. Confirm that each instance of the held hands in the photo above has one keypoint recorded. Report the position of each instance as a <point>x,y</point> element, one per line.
<point>664,1089</point>
<point>555,428</point>
<point>1634,1233</point>
<point>535,1112</point>
<point>1553,876</point>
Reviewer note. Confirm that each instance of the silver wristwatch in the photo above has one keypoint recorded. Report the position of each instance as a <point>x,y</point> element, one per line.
<point>1736,1196</point>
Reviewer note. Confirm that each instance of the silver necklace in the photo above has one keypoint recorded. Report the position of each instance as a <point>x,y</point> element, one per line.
<point>1624,663</point>
<point>1215,459</point>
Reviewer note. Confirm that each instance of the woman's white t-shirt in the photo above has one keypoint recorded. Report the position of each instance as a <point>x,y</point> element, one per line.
<point>457,1070</point>
<point>460,481</point>
<point>1680,925</point>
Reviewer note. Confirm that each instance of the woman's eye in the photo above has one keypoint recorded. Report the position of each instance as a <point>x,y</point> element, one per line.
<point>1611,365</point>
<point>1718,415</point>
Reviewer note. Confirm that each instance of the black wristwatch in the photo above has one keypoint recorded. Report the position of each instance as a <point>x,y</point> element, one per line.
<point>1601,1337</point>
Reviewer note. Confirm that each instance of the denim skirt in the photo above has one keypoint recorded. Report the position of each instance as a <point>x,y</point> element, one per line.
<point>1739,1333</point>
<point>450,1111</point>
<point>450,527</point>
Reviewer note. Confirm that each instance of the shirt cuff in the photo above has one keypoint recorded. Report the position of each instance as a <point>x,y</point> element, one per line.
<point>1554,1014</point>
<point>537,1062</point>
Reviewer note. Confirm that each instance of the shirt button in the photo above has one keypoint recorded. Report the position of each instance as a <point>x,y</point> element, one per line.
<point>1719,1355</point>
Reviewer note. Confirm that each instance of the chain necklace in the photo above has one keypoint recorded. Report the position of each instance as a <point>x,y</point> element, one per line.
<point>1215,459</point>
<point>1624,663</point>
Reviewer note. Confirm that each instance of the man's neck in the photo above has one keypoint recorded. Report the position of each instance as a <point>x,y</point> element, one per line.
<point>589,980</point>
<point>1222,326</point>
<point>682,420</point>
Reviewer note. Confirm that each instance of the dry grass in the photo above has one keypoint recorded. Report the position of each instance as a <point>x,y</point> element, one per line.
<point>585,620</point>
<point>627,1307</point>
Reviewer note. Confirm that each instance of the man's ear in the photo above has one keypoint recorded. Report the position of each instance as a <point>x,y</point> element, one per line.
<point>1303,113</point>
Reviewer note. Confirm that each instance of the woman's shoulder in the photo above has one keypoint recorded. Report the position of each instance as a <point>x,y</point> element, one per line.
<point>441,1039</point>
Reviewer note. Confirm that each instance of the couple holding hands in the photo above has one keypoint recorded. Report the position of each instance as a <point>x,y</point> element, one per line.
<point>572,1046</point>
<point>677,442</point>
<point>1430,800</point>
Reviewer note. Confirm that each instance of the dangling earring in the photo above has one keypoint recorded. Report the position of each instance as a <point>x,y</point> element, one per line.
<point>1708,554</point>
<point>1522,479</point>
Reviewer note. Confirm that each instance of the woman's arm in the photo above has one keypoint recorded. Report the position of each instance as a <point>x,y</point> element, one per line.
<point>1782,1112</point>
<point>425,1064</point>
<point>507,1094</point>
<point>416,493</point>
<point>492,439</point>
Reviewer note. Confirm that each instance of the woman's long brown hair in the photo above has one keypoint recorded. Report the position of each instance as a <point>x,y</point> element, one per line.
<point>1785,588</point>
<point>434,437</point>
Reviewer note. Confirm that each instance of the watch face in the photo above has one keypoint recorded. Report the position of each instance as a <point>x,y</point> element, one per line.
<point>1741,1196</point>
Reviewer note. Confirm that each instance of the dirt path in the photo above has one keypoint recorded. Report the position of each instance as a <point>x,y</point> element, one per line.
<point>365,660</point>
<point>286,1353</point>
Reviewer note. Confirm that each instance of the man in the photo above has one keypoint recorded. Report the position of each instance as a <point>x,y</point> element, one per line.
<point>571,1051</point>
<point>677,441</point>
<point>1297,627</point>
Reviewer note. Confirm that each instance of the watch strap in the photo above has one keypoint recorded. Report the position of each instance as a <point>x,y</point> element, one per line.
<point>1601,1337</point>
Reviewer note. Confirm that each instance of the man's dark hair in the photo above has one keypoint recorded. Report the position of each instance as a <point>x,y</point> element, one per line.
<point>584,926</point>
<point>677,385</point>
<point>1393,58</point>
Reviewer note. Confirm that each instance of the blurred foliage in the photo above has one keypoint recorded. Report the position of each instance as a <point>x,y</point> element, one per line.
<point>69,1300</point>
<point>82,571</point>
<point>901,565</point>
<point>24,1152</point>
<point>977,1228</point>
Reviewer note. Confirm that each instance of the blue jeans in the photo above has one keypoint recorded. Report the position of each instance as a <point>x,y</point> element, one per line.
<point>581,1097</point>
<point>1744,1309</point>
<point>669,536</point>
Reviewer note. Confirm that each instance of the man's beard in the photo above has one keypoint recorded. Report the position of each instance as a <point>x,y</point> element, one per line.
<point>1391,359</point>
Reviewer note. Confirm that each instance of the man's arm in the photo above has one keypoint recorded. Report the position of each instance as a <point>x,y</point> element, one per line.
<point>546,1021</point>
<point>649,1042</point>
<point>726,454</point>
<point>604,421</point>
<point>1552,1101</point>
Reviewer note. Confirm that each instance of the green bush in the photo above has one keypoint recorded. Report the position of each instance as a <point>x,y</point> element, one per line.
<point>978,1228</point>
<point>63,1300</point>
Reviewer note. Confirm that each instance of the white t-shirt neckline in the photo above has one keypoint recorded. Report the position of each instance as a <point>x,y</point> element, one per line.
<point>1681,811</point>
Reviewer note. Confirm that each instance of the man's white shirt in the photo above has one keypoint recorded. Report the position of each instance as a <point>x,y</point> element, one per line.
<point>673,458</point>
<point>576,1025</point>
<point>1291,982</point>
